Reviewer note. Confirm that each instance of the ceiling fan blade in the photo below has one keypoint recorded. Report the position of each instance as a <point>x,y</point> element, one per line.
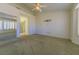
<point>43,6</point>
<point>33,9</point>
<point>36,4</point>
<point>36,9</point>
<point>40,10</point>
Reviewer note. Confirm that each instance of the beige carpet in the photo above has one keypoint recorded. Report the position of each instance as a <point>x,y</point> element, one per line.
<point>39,45</point>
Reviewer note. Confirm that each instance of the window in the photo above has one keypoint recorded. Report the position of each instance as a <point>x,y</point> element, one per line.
<point>1,25</point>
<point>6,24</point>
<point>13,25</point>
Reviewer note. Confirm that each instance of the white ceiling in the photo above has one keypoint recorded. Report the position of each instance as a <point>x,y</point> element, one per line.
<point>52,6</point>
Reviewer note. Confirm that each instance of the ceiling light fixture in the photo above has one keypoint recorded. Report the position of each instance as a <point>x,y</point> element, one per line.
<point>37,7</point>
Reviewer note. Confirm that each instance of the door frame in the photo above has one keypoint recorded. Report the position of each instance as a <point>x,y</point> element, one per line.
<point>26,30</point>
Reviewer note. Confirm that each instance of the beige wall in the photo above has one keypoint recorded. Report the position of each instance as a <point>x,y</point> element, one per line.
<point>59,25</point>
<point>8,9</point>
<point>75,37</point>
<point>13,11</point>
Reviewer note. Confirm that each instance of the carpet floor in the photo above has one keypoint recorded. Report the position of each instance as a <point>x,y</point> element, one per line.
<point>39,45</point>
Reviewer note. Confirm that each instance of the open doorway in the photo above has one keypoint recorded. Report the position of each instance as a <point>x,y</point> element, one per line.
<point>24,25</point>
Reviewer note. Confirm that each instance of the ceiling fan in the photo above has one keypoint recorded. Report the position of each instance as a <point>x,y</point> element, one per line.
<point>37,7</point>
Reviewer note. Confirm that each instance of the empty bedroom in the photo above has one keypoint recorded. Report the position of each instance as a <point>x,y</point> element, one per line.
<point>39,29</point>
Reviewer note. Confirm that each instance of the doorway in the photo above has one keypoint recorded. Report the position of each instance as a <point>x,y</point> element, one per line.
<point>24,25</point>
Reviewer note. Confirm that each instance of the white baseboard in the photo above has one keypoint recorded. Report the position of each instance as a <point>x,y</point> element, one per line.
<point>75,42</point>
<point>53,36</point>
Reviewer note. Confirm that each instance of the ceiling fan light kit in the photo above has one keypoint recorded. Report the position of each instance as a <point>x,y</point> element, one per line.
<point>37,7</point>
